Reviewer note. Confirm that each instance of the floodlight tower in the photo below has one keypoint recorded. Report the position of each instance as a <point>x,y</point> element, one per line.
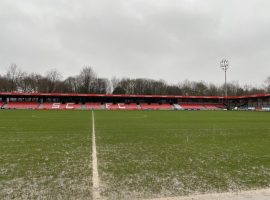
<point>224,64</point>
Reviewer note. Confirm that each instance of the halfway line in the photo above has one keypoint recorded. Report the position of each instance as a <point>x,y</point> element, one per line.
<point>96,194</point>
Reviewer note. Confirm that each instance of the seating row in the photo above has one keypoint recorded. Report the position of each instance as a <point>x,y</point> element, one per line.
<point>22,105</point>
<point>122,106</point>
<point>1,104</point>
<point>110,106</point>
<point>156,106</point>
<point>202,106</point>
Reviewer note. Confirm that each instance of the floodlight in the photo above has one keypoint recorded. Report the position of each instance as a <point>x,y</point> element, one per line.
<point>224,64</point>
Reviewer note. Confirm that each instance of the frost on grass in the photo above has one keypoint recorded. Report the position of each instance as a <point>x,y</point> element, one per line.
<point>45,157</point>
<point>178,183</point>
<point>45,188</point>
<point>63,186</point>
<point>137,171</point>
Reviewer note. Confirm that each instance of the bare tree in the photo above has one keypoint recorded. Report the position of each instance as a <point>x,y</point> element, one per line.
<point>213,90</point>
<point>5,84</point>
<point>267,84</point>
<point>100,86</point>
<point>53,77</point>
<point>86,78</point>
<point>15,80</point>
<point>14,76</point>
<point>27,84</point>
<point>72,84</point>
<point>119,90</point>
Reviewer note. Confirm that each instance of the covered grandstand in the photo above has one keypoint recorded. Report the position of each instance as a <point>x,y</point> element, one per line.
<point>66,101</point>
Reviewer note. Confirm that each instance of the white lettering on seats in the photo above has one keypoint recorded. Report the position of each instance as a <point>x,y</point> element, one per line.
<point>69,106</point>
<point>56,106</point>
<point>121,106</point>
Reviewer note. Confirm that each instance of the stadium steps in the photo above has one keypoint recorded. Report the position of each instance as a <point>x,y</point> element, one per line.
<point>22,105</point>
<point>102,107</point>
<point>39,106</point>
<point>2,104</point>
<point>94,106</point>
<point>177,107</point>
<point>156,106</point>
<point>5,106</point>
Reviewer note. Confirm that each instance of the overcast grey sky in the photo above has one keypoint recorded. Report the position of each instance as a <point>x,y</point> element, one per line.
<point>172,40</point>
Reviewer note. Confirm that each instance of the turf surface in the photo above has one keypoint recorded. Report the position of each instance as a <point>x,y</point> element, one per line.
<point>141,154</point>
<point>45,154</point>
<point>152,154</point>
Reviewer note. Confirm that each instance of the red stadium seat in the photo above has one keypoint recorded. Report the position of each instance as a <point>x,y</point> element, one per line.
<point>94,106</point>
<point>213,106</point>
<point>60,106</point>
<point>166,106</point>
<point>210,107</point>
<point>133,106</point>
<point>192,106</point>
<point>201,106</point>
<point>70,106</point>
<point>121,106</point>
<point>22,105</point>
<point>51,106</point>
<point>156,106</point>
<point>118,106</point>
<point>1,104</point>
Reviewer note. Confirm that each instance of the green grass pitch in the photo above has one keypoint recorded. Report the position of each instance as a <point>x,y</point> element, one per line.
<point>45,154</point>
<point>141,154</point>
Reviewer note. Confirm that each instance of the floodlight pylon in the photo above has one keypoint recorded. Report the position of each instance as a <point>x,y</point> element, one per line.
<point>224,64</point>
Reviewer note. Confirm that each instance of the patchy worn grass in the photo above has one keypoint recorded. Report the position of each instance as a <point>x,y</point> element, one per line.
<point>45,154</point>
<point>158,153</point>
<point>141,154</point>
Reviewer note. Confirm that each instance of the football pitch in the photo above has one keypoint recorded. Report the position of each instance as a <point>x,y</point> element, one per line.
<point>140,154</point>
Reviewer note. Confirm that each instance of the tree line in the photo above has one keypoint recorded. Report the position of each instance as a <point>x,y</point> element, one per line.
<point>87,81</point>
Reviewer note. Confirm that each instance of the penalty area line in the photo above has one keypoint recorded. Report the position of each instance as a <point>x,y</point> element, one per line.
<point>96,194</point>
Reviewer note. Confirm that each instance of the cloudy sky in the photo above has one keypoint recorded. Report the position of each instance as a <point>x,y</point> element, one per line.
<point>173,40</point>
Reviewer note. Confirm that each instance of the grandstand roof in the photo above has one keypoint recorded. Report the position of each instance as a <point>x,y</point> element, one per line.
<point>25,95</point>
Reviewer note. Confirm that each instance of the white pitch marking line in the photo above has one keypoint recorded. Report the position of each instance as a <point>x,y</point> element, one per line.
<point>260,194</point>
<point>96,194</point>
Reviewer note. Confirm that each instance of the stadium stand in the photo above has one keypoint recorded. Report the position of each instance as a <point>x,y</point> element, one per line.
<point>192,106</point>
<point>50,106</point>
<point>72,105</point>
<point>94,106</point>
<point>156,106</point>
<point>177,107</point>
<point>202,106</point>
<point>133,106</point>
<point>260,102</point>
<point>117,106</point>
<point>22,105</point>
<point>214,106</point>
<point>121,106</point>
<point>1,104</point>
<point>112,106</point>
<point>266,108</point>
<point>211,107</point>
<point>60,106</point>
